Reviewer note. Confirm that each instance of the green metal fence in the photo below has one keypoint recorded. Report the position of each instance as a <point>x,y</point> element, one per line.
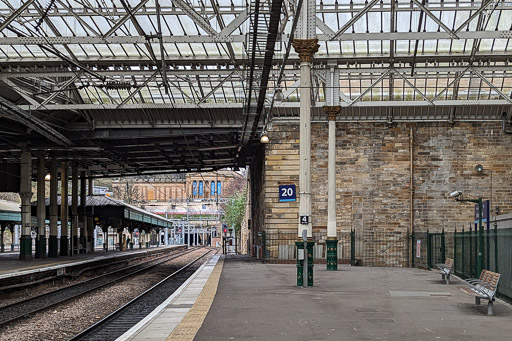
<point>462,246</point>
<point>367,248</point>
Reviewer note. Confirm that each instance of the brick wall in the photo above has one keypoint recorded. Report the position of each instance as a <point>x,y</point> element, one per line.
<point>373,175</point>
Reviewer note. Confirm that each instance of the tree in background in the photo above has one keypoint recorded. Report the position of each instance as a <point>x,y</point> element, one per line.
<point>129,193</point>
<point>234,210</point>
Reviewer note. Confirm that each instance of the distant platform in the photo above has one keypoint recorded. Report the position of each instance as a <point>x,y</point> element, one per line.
<point>14,272</point>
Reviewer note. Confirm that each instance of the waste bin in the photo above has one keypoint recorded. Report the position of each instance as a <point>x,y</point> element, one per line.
<point>147,245</point>
<point>131,246</point>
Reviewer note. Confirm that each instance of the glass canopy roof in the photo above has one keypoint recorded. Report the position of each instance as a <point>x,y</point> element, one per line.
<point>190,53</point>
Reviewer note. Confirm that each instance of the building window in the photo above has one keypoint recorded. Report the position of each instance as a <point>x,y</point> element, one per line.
<point>212,188</point>
<point>194,188</point>
<point>204,207</point>
<point>200,188</point>
<point>219,188</point>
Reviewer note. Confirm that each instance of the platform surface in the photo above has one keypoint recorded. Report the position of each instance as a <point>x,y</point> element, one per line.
<point>10,265</point>
<point>256,301</point>
<point>175,318</point>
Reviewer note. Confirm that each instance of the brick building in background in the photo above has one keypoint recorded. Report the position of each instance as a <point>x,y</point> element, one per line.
<point>193,196</point>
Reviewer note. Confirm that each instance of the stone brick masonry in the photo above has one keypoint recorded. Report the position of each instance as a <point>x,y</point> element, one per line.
<point>373,175</point>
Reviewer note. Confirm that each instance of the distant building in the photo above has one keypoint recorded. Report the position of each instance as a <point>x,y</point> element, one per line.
<point>192,196</point>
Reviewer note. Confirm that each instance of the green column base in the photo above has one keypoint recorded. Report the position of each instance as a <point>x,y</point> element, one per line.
<point>53,246</point>
<point>64,245</point>
<point>300,264</point>
<point>332,254</point>
<point>26,247</point>
<point>41,248</point>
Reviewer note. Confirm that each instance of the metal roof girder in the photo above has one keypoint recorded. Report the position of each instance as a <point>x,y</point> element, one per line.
<point>490,84</point>
<point>198,19</point>
<point>452,34</point>
<point>16,14</point>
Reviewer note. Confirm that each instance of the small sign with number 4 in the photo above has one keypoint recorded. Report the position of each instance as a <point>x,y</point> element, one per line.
<point>304,219</point>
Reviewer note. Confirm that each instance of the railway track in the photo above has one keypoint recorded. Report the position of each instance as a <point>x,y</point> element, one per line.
<point>25,308</point>
<point>128,315</point>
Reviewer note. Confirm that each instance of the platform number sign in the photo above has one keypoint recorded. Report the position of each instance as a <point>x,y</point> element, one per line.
<point>287,193</point>
<point>304,219</point>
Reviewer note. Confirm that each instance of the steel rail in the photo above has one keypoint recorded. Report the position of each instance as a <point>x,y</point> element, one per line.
<point>25,314</point>
<point>107,318</point>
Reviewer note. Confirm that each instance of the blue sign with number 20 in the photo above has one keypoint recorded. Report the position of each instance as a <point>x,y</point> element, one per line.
<point>287,193</point>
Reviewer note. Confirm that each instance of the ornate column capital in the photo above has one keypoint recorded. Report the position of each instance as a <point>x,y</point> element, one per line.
<point>26,195</point>
<point>306,48</point>
<point>332,111</point>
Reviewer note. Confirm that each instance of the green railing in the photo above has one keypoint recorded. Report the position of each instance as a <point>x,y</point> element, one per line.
<point>462,247</point>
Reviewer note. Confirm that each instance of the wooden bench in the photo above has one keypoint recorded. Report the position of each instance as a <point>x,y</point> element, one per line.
<point>445,269</point>
<point>484,287</point>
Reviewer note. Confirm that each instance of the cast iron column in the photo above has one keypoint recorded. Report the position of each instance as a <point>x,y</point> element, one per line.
<point>332,241</point>
<point>306,48</point>
<point>53,246</point>
<point>74,208</point>
<point>83,213</point>
<point>26,196</point>
<point>91,240</point>
<point>64,208</point>
<point>41,207</point>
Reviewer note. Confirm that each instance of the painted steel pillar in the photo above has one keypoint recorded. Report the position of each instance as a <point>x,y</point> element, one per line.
<point>41,208</point>
<point>74,208</point>
<point>166,236</point>
<point>91,239</point>
<point>64,209</point>
<point>26,196</point>
<point>188,237</point>
<point>84,233</point>
<point>306,45</point>
<point>53,246</point>
<point>305,48</point>
<point>332,241</point>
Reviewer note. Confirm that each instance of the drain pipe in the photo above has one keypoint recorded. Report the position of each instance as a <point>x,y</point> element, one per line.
<point>411,194</point>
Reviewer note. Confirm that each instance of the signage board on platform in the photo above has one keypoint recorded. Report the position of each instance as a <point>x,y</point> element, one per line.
<point>286,193</point>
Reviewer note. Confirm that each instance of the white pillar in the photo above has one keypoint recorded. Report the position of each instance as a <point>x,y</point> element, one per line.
<point>331,111</point>
<point>166,241</point>
<point>306,49</point>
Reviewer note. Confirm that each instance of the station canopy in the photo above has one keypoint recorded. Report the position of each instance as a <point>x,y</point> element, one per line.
<point>141,86</point>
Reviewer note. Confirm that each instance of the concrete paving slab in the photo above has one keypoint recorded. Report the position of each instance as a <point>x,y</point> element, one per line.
<point>256,301</point>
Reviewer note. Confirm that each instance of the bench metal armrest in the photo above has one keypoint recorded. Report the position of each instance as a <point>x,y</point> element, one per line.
<point>480,287</point>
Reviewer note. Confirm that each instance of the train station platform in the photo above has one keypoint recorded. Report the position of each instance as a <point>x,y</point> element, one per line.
<point>256,301</point>
<point>14,273</point>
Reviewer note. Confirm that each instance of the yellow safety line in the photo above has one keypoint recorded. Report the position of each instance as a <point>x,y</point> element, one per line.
<point>193,320</point>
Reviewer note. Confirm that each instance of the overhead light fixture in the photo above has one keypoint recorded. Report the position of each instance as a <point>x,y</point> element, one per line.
<point>278,95</point>
<point>479,168</point>
<point>47,177</point>
<point>264,137</point>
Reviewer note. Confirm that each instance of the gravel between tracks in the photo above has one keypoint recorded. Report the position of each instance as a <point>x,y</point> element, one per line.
<point>64,321</point>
